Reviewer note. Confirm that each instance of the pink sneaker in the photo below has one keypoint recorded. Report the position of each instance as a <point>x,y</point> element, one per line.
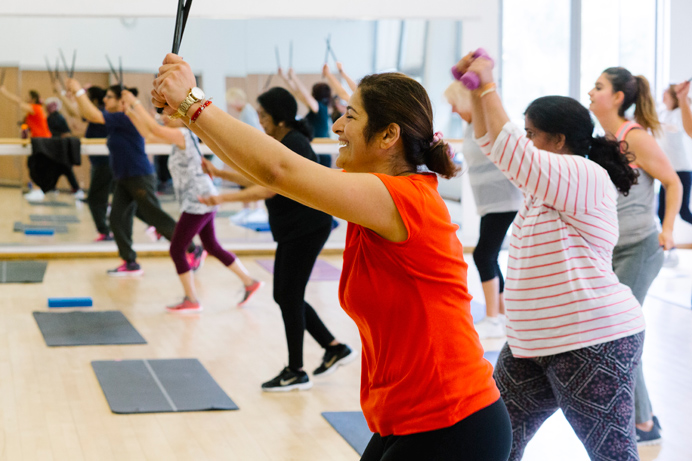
<point>104,238</point>
<point>126,270</point>
<point>196,258</point>
<point>249,291</point>
<point>185,306</point>
<point>153,234</point>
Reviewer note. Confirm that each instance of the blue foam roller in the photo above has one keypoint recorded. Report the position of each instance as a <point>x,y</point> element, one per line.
<point>39,231</point>
<point>70,302</point>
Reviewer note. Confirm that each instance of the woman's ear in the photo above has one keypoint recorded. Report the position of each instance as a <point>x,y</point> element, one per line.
<point>560,142</point>
<point>390,135</point>
<point>618,98</point>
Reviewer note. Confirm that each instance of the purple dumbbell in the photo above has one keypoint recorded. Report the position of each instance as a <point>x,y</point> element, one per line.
<point>470,79</point>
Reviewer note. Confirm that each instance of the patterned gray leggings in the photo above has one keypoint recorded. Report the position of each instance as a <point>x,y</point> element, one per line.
<point>594,387</point>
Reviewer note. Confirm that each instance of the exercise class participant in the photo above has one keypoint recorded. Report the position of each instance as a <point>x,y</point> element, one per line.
<point>497,202</point>
<point>189,183</point>
<point>300,233</point>
<point>638,255</point>
<point>135,183</point>
<point>676,143</point>
<point>568,317</point>
<point>426,390</point>
<point>36,120</point>
<point>317,101</point>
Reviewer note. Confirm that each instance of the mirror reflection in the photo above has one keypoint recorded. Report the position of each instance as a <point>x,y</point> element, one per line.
<point>61,196</point>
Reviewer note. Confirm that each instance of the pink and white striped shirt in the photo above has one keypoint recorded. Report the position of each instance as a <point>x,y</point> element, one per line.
<point>561,293</point>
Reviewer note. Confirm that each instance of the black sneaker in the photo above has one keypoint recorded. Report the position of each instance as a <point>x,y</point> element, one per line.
<point>652,437</point>
<point>288,380</point>
<point>334,357</point>
<point>656,423</point>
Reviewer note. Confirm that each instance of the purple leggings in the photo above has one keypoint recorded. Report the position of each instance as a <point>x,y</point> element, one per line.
<point>190,225</point>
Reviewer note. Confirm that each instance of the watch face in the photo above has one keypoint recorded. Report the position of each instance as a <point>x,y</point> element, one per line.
<point>197,93</point>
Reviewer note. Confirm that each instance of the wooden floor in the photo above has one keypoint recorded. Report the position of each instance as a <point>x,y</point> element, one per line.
<point>52,408</point>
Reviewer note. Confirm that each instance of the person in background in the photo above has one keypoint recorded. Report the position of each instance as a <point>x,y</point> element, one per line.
<point>300,233</point>
<point>638,255</point>
<point>497,202</point>
<point>189,183</point>
<point>237,101</point>
<point>59,129</point>
<point>37,123</point>
<point>135,183</point>
<point>317,101</point>
<point>101,179</point>
<point>677,145</point>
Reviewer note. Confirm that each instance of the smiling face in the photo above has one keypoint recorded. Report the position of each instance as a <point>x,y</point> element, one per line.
<point>603,99</point>
<point>355,153</point>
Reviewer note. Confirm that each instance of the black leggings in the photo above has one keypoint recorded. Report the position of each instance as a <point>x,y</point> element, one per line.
<point>685,213</point>
<point>486,435</point>
<point>492,233</point>
<point>293,265</point>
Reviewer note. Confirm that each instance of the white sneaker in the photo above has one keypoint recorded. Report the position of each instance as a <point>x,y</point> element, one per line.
<point>79,195</point>
<point>36,195</point>
<point>672,259</point>
<point>490,327</point>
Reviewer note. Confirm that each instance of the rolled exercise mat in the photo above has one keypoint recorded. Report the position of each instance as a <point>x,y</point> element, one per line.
<point>70,302</point>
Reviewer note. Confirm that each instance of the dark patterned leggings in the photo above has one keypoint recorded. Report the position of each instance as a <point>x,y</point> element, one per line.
<point>594,387</point>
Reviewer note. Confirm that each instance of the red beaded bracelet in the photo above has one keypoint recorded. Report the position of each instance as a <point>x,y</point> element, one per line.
<point>199,111</point>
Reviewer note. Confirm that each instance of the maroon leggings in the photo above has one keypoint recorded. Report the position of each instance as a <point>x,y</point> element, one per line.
<point>190,225</point>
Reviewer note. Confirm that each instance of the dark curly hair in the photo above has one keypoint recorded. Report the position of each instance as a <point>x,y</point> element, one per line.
<point>566,116</point>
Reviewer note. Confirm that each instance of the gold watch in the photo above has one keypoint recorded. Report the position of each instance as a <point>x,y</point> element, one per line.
<point>195,95</point>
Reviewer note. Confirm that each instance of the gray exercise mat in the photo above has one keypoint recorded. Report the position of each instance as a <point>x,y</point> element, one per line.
<point>49,203</point>
<point>224,213</point>
<point>57,228</point>
<point>86,328</point>
<point>158,386</point>
<point>351,425</point>
<point>61,218</point>
<point>22,271</point>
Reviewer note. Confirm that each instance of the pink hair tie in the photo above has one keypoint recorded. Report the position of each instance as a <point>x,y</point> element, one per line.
<point>437,137</point>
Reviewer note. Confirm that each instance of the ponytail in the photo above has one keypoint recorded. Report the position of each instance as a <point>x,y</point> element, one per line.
<point>636,91</point>
<point>645,109</point>
<point>613,157</point>
<point>303,127</point>
<point>439,158</point>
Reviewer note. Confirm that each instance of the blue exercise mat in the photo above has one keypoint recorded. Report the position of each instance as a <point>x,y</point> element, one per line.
<point>158,386</point>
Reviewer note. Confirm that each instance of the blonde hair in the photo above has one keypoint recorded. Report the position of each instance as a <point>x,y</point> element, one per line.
<point>459,96</point>
<point>236,97</point>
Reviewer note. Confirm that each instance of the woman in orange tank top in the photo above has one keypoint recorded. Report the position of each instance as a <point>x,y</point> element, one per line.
<point>426,390</point>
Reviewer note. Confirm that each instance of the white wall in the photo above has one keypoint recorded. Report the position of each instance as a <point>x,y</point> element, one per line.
<point>680,40</point>
<point>354,9</point>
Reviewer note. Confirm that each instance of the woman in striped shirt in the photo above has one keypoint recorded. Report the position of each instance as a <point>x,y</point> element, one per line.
<point>574,332</point>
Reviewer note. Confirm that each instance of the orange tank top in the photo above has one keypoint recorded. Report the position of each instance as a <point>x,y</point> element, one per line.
<point>38,125</point>
<point>422,362</point>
